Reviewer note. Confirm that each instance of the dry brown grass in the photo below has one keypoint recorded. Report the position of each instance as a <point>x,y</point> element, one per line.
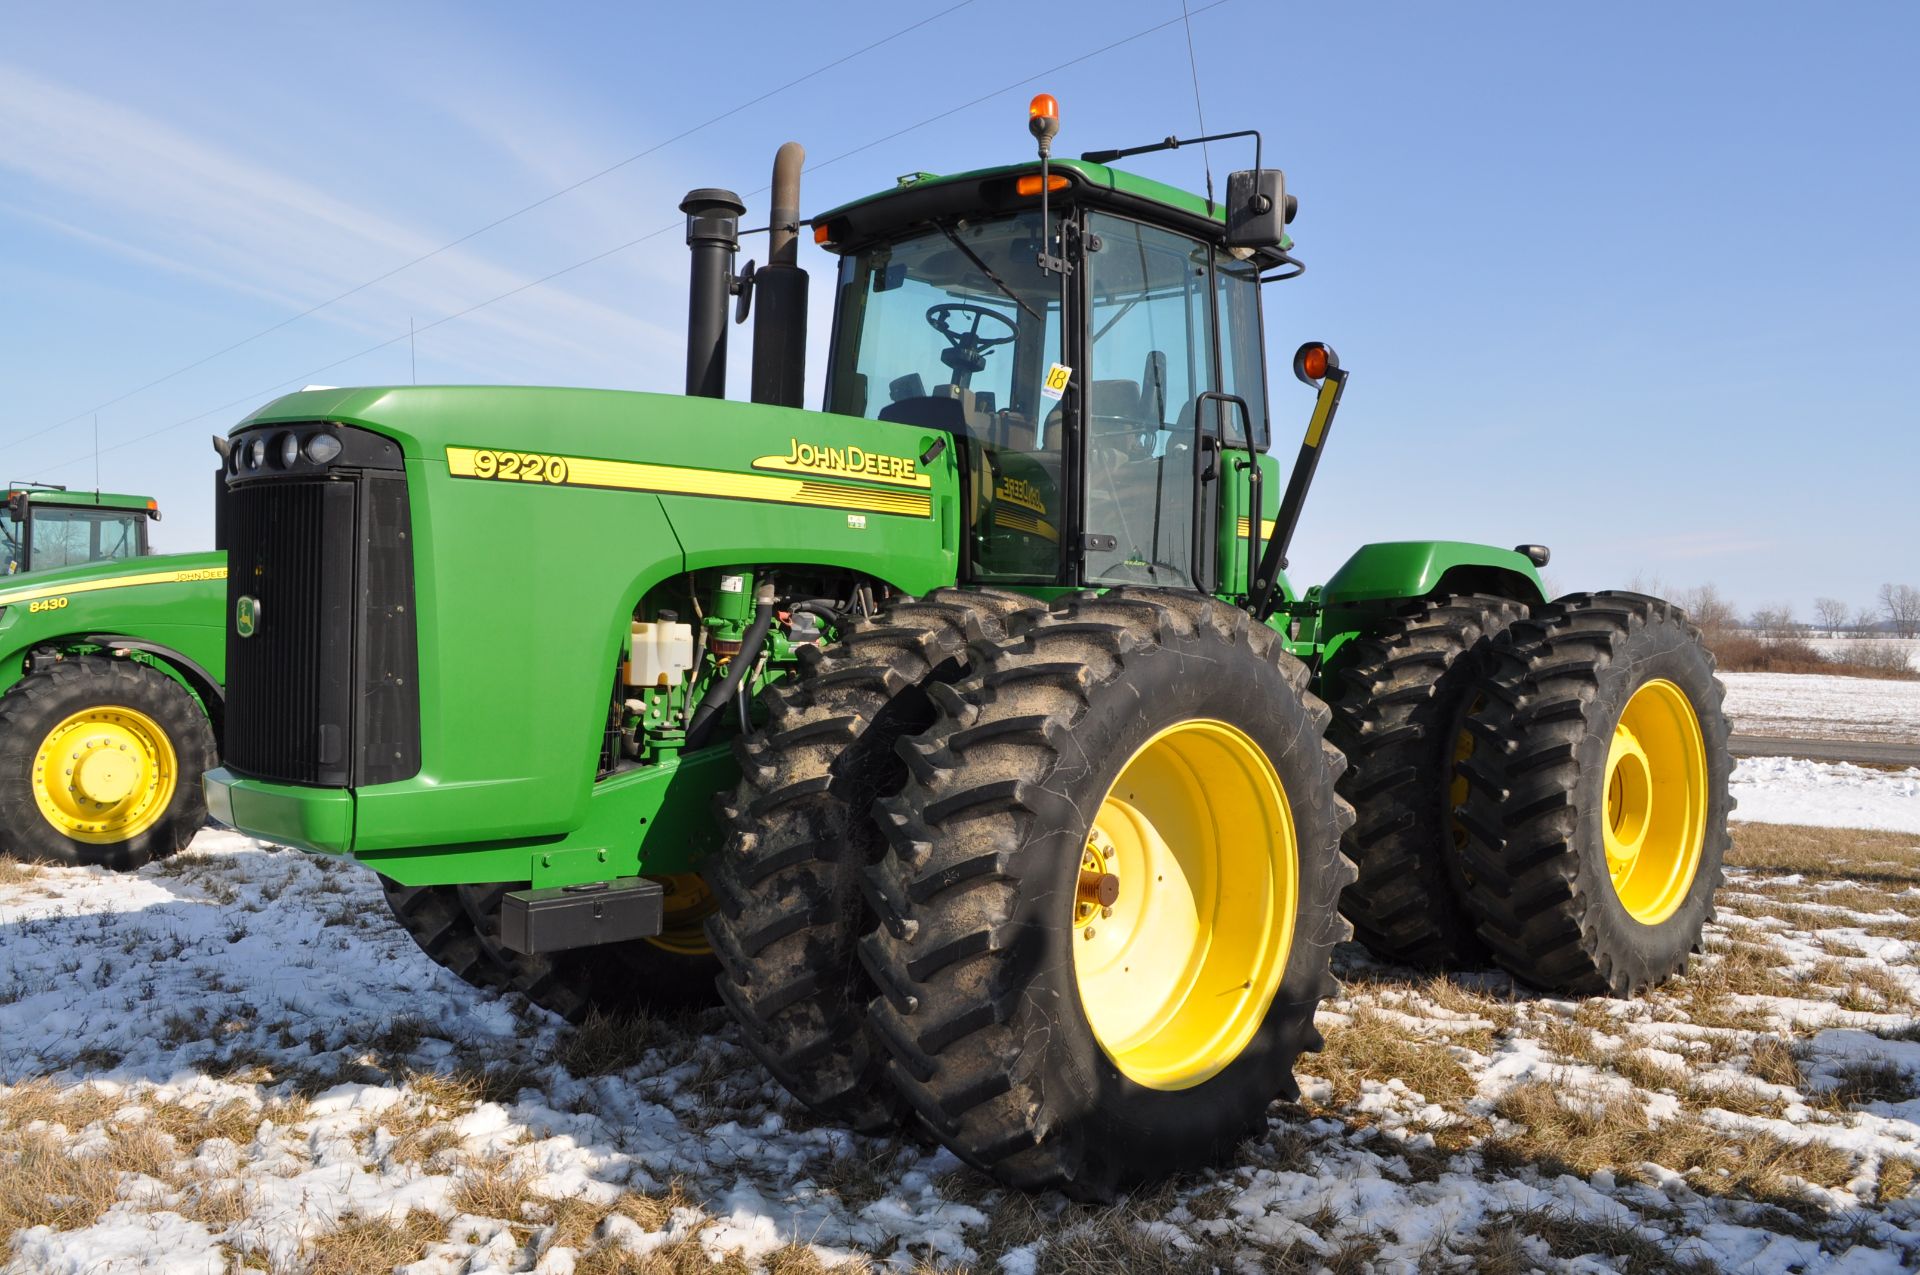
<point>1566,1236</point>
<point>494,1188</point>
<point>1370,1046</point>
<point>13,872</point>
<point>363,1244</point>
<point>682,1257</point>
<point>1777,1061</point>
<point>42,1184</point>
<point>1565,1131</point>
<point>1868,1081</point>
<point>1896,1180</point>
<point>605,1044</point>
<point>1077,1239</point>
<point>1837,854</point>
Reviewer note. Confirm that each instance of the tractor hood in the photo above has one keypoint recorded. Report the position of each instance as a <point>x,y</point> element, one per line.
<point>122,573</point>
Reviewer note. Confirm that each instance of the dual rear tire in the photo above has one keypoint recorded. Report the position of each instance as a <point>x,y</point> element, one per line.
<point>1104,898</point>
<point>1545,790</point>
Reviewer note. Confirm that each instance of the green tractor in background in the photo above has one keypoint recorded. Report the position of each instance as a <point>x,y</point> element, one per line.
<point>110,680</point>
<point>968,735</point>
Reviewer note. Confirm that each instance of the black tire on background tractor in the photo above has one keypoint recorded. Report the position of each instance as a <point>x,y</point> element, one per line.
<point>459,927</point>
<point>131,732</point>
<point>1399,699</point>
<point>1109,896</point>
<point>1597,802</point>
<point>798,833</point>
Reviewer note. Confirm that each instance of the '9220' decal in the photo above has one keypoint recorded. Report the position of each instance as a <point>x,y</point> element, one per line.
<point>519,467</point>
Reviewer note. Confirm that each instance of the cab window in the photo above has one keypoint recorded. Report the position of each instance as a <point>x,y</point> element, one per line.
<point>1150,293</point>
<point>69,537</point>
<point>956,328</point>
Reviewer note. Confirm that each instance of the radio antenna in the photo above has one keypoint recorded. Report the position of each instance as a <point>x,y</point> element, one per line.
<point>1193,65</point>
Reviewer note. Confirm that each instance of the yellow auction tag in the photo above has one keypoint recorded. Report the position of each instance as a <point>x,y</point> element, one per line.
<point>1056,383</point>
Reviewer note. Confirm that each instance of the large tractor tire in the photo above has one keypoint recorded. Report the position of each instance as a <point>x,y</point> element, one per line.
<point>1109,897</point>
<point>100,764</point>
<point>459,927</point>
<point>1400,699</point>
<point>798,833</point>
<point>1596,813</point>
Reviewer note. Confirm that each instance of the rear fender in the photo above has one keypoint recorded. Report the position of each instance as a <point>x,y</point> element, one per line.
<point>1379,578</point>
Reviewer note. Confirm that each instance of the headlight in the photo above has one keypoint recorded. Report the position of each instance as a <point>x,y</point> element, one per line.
<point>289,450</point>
<point>322,448</point>
<point>257,453</point>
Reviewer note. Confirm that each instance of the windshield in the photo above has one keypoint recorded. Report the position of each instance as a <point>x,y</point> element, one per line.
<point>65,537</point>
<point>958,329</point>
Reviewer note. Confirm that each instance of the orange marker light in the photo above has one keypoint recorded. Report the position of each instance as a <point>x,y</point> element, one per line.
<point>1043,107</point>
<point>820,234</point>
<point>1030,185</point>
<point>1313,361</point>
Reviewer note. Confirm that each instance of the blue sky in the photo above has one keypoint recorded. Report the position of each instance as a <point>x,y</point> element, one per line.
<point>1640,282</point>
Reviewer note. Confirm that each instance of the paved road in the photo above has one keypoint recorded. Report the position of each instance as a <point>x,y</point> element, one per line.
<point>1878,753</point>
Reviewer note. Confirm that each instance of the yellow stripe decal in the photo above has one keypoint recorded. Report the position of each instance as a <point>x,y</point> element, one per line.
<point>1322,409</point>
<point>1266,529</point>
<point>674,480</point>
<point>29,593</point>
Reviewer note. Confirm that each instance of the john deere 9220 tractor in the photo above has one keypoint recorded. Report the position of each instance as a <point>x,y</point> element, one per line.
<point>110,666</point>
<point>967,733</point>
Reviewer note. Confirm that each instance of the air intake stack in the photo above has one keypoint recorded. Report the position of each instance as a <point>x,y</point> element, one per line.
<point>713,233</point>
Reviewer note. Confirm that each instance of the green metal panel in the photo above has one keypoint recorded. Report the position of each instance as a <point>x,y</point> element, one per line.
<point>316,819</point>
<point>525,589</point>
<point>1394,570</point>
<point>175,601</point>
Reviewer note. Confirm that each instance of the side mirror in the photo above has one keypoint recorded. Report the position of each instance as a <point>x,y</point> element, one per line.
<point>17,505</point>
<point>1258,208</point>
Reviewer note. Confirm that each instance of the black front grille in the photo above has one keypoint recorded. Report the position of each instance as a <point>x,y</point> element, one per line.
<point>324,689</point>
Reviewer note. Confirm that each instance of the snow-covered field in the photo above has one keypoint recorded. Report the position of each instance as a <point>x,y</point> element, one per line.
<point>236,1061</point>
<point>1817,706</point>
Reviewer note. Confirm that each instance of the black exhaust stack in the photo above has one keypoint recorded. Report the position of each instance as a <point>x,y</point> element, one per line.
<point>780,293</point>
<point>713,233</point>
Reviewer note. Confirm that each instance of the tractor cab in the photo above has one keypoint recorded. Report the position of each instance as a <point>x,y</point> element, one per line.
<point>44,527</point>
<point>1091,339</point>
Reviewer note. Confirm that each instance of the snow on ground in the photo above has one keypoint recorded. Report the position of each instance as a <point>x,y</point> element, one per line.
<point>235,1060</point>
<point>1819,706</point>
<point>1826,795</point>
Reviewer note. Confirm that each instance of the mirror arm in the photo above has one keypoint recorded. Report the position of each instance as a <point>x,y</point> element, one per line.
<point>1267,579</point>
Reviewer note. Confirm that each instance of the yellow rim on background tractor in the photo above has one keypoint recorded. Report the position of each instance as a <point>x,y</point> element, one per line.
<point>1183,917</point>
<point>105,774</point>
<point>1655,821</point>
<point>685,909</point>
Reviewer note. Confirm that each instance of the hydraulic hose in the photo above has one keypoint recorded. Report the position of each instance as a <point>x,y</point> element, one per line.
<point>707,715</point>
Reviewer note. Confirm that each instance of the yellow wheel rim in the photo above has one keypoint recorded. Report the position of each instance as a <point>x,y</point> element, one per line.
<point>685,909</point>
<point>1183,915</point>
<point>1655,820</point>
<point>105,774</point>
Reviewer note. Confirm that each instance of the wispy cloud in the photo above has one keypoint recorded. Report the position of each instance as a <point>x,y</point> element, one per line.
<point>152,193</point>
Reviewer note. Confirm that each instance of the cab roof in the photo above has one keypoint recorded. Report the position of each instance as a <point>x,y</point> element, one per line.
<point>82,499</point>
<point>925,197</point>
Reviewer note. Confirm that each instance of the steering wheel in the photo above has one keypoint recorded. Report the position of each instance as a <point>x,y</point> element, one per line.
<point>970,341</point>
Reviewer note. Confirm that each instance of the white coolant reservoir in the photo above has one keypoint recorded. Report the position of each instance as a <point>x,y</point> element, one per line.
<point>662,653</point>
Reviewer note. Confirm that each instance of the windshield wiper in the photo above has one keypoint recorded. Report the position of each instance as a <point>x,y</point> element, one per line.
<point>984,269</point>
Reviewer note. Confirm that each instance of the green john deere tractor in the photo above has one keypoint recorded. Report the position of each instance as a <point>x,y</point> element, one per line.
<point>110,672</point>
<point>967,734</point>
